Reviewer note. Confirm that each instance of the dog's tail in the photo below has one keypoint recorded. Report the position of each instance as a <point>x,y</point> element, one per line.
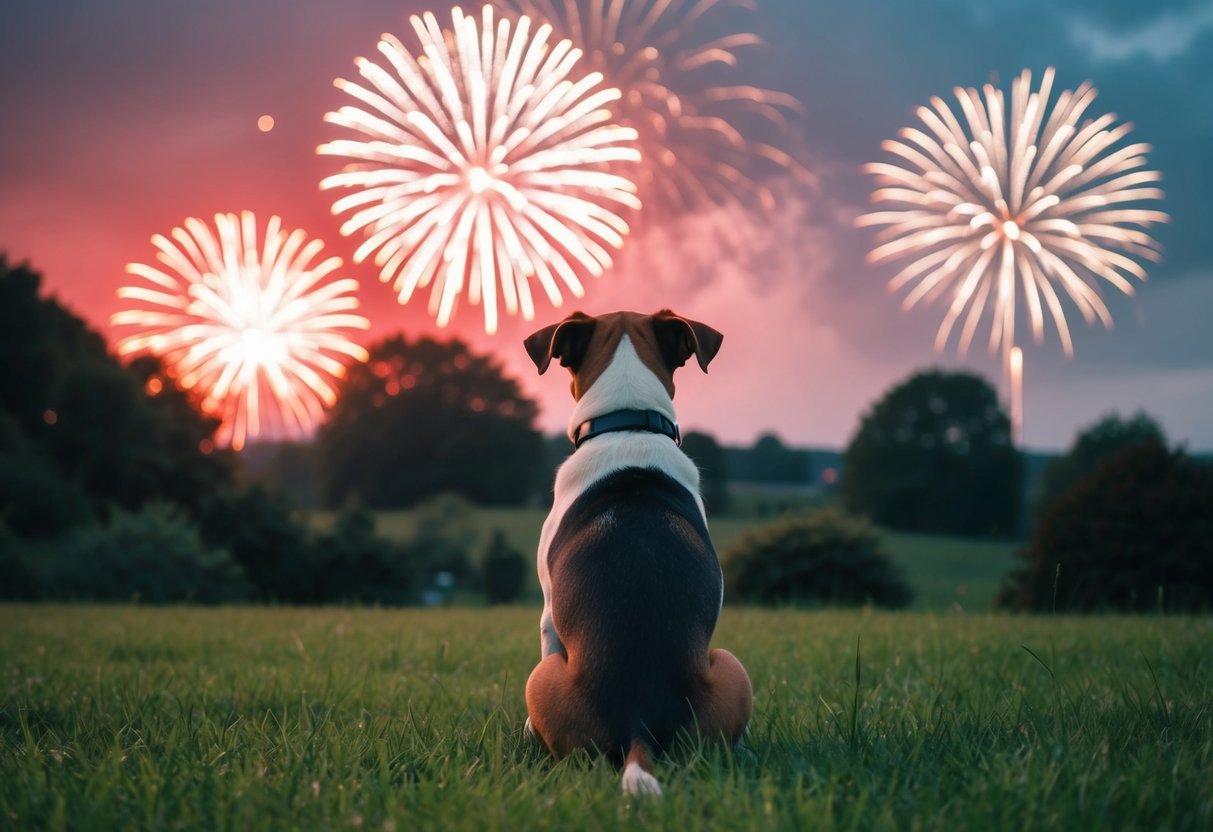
<point>638,770</point>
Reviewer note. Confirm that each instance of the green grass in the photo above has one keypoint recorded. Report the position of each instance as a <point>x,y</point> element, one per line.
<point>255,718</point>
<point>945,572</point>
<point>951,572</point>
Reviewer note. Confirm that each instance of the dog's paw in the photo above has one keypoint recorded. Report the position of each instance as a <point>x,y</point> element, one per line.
<point>637,781</point>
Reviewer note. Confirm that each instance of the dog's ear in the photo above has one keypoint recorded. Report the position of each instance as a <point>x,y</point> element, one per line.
<point>566,340</point>
<point>679,338</point>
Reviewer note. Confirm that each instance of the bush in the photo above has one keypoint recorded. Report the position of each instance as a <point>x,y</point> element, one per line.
<point>153,555</point>
<point>826,557</point>
<point>1137,535</point>
<point>443,536</point>
<point>502,571</point>
<point>353,565</point>
<point>259,529</point>
<point>16,577</point>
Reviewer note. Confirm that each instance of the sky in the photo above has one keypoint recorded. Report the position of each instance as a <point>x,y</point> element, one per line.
<point>123,118</point>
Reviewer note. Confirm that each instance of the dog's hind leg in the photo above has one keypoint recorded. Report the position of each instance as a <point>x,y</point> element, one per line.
<point>557,710</point>
<point>725,701</point>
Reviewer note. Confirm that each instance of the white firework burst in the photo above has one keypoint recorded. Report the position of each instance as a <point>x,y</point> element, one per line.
<point>256,331</point>
<point>704,132</point>
<point>1031,197</point>
<point>484,163</point>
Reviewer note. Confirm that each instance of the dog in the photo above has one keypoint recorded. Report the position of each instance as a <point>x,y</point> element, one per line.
<point>632,586</point>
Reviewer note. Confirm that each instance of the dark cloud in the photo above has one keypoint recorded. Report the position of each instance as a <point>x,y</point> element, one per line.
<point>1131,15</point>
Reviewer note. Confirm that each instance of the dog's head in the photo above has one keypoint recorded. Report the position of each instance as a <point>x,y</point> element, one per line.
<point>587,345</point>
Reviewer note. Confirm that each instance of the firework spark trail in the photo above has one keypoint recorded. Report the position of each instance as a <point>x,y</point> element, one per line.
<point>697,136</point>
<point>1035,194</point>
<point>485,163</point>
<point>256,331</point>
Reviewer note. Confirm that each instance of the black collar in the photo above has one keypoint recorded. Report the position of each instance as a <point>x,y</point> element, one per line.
<point>644,420</point>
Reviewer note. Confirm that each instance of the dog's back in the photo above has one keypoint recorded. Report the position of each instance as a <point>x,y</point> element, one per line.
<point>640,589</point>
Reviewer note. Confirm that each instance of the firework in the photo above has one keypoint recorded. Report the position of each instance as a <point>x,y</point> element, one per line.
<point>1030,196</point>
<point>486,162</point>
<point>697,135</point>
<point>257,332</point>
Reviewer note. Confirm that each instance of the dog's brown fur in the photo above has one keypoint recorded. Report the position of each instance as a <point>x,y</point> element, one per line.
<point>586,345</point>
<point>562,717</point>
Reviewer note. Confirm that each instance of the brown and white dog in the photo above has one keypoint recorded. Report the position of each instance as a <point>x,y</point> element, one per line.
<point>631,582</point>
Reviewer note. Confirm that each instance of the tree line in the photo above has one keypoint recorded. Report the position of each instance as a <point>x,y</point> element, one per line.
<point>96,455</point>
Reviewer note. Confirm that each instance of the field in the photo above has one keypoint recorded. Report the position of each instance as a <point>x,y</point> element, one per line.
<point>945,572</point>
<point>270,718</point>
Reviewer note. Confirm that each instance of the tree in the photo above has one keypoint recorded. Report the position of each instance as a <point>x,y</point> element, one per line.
<point>1135,535</point>
<point>40,339</point>
<point>77,424</point>
<point>935,454</point>
<point>420,418</point>
<point>128,435</point>
<point>707,454</point>
<point>1097,443</point>
<point>773,461</point>
<point>36,497</point>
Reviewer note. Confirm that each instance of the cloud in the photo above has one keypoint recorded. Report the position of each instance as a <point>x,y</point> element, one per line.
<point>1164,325</point>
<point>1180,400</point>
<point>1168,36</point>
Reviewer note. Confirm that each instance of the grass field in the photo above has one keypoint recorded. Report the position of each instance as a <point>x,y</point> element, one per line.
<point>944,571</point>
<point>264,718</point>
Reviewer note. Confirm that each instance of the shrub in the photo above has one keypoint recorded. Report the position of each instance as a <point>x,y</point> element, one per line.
<point>259,529</point>
<point>153,555</point>
<point>16,578</point>
<point>502,571</point>
<point>827,557</point>
<point>353,565</point>
<point>1137,535</point>
<point>444,534</point>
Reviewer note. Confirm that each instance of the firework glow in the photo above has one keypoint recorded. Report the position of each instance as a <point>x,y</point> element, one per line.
<point>697,135</point>
<point>483,163</point>
<point>258,332</point>
<point>1032,198</point>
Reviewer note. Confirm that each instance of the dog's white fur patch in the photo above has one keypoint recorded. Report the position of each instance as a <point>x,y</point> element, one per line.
<point>637,781</point>
<point>626,384</point>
